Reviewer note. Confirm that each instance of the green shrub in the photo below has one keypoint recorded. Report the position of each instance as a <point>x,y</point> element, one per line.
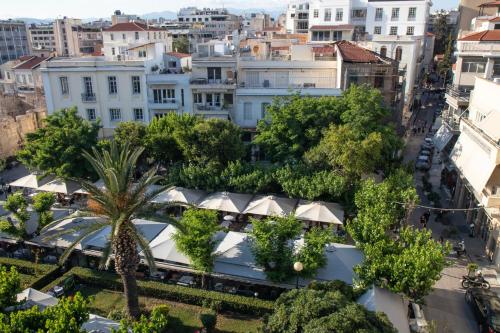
<point>42,273</point>
<point>208,320</point>
<point>111,281</point>
<point>116,314</point>
<point>164,309</point>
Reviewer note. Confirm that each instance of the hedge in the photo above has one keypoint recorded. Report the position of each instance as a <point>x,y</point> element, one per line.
<point>43,273</point>
<point>229,302</point>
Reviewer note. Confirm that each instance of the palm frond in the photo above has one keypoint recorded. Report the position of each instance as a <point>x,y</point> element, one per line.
<point>144,245</point>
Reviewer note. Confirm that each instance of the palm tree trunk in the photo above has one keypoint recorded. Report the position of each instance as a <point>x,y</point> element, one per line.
<point>130,291</point>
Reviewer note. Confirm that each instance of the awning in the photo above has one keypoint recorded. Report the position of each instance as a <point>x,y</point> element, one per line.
<point>60,186</point>
<point>442,137</point>
<point>34,297</point>
<point>31,181</point>
<point>319,211</point>
<point>472,156</point>
<point>226,202</point>
<point>270,206</point>
<point>179,194</point>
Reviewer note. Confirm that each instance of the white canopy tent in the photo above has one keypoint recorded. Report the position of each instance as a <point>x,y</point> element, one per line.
<point>164,249</point>
<point>31,181</point>
<point>226,202</point>
<point>270,205</point>
<point>60,186</point>
<point>393,305</point>
<point>98,324</point>
<point>179,194</point>
<point>99,184</point>
<point>33,297</point>
<point>320,211</point>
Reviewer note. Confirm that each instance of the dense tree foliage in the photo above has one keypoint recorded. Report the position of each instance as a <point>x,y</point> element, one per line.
<point>131,132</point>
<point>10,286</point>
<point>441,31</point>
<point>157,322</point>
<point>42,203</point>
<point>57,147</point>
<point>17,205</point>
<point>312,254</point>
<point>324,307</point>
<point>444,66</point>
<point>181,44</point>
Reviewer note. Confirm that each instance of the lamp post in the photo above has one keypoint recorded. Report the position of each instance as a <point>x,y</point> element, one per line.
<point>298,267</point>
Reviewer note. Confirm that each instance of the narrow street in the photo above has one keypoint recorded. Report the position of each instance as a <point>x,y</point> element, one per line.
<point>446,305</point>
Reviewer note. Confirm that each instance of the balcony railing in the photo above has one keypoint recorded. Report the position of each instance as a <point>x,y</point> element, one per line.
<point>163,101</point>
<point>213,107</point>
<point>88,97</point>
<point>460,94</point>
<point>477,47</point>
<point>203,81</point>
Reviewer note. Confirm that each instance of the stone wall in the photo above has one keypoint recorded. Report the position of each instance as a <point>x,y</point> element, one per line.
<point>13,130</point>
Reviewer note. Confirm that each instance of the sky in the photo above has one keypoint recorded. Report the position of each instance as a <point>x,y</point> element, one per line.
<point>104,8</point>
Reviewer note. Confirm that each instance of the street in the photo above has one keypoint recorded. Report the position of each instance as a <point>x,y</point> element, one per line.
<point>446,305</point>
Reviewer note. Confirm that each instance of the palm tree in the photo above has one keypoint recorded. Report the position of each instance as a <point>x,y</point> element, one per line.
<point>116,205</point>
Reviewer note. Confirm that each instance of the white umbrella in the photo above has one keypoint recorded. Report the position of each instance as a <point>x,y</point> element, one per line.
<point>60,186</point>
<point>226,202</point>
<point>320,212</point>
<point>99,184</point>
<point>179,194</point>
<point>34,297</point>
<point>100,324</point>
<point>31,181</point>
<point>270,206</point>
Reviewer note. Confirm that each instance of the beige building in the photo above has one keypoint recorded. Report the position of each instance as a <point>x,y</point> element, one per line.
<point>74,39</point>
<point>469,9</point>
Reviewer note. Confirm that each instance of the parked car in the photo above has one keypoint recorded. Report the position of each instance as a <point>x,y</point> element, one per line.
<point>423,163</point>
<point>428,141</point>
<point>426,152</point>
<point>486,307</point>
<point>426,145</point>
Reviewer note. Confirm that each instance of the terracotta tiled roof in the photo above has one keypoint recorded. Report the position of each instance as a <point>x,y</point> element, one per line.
<point>332,27</point>
<point>324,50</point>
<point>131,26</point>
<point>178,54</point>
<point>495,19</point>
<point>31,63</point>
<point>141,45</point>
<point>482,36</point>
<point>354,53</point>
<point>26,57</point>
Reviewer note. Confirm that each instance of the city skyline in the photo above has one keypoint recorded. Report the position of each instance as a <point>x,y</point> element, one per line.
<point>56,9</point>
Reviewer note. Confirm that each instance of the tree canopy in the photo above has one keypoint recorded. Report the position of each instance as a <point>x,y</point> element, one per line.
<point>131,132</point>
<point>10,286</point>
<point>57,146</point>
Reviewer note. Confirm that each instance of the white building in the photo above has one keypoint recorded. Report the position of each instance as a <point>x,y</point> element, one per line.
<point>42,39</point>
<point>22,75</point>
<point>297,17</point>
<point>215,22</point>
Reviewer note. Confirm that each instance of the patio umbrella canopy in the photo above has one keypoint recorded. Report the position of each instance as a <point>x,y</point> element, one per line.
<point>226,202</point>
<point>320,211</point>
<point>60,186</point>
<point>163,247</point>
<point>179,194</point>
<point>99,184</point>
<point>31,181</point>
<point>34,297</point>
<point>270,206</point>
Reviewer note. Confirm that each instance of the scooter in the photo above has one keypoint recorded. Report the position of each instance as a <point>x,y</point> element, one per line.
<point>460,248</point>
<point>475,282</point>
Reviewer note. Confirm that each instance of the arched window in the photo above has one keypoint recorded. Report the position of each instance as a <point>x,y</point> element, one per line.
<point>383,51</point>
<point>399,53</point>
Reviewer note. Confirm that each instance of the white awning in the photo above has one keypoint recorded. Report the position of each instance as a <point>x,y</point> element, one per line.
<point>100,324</point>
<point>226,202</point>
<point>270,206</point>
<point>163,247</point>
<point>179,194</point>
<point>31,181</point>
<point>34,297</point>
<point>60,186</point>
<point>442,137</point>
<point>320,212</point>
<point>472,156</point>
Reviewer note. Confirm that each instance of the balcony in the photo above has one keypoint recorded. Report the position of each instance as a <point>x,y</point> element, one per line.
<point>201,83</point>
<point>88,97</point>
<point>475,47</point>
<point>164,104</point>
<point>213,111</point>
<point>457,94</point>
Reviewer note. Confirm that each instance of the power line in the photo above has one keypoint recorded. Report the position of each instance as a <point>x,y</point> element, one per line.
<point>440,208</point>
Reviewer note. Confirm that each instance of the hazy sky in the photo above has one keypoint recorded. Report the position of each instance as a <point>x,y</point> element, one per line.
<point>104,8</point>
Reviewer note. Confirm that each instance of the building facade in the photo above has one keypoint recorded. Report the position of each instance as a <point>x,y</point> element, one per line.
<point>42,39</point>
<point>13,40</point>
<point>214,23</point>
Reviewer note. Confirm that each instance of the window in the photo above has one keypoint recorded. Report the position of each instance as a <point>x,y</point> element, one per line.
<point>64,84</point>
<point>87,86</point>
<point>302,25</point>
<point>393,31</point>
<point>8,77</point>
<point>182,97</point>
<point>112,37</point>
<point>142,53</point>
<point>316,13</point>
<point>337,35</point>
<point>412,13</point>
<point>321,35</point>
<point>162,96</point>
<point>379,13</point>
<point>214,73</point>
<point>263,109</point>
<point>377,30</point>
<point>115,114</point>
<point>410,31</point>
<point>113,52</point>
<point>379,81</point>
<point>399,53</point>
<point>395,14</point>
<point>197,98</point>
<point>228,99</point>
<point>358,13</point>
<point>172,64</point>
<point>138,114</point>
<point>474,65</point>
<point>91,115</point>
<point>247,111</point>
<point>136,85</point>
<point>328,15</point>
<point>136,35</point>
<point>113,89</point>
<point>339,14</point>
<point>124,36</point>
<point>496,68</point>
<point>383,51</point>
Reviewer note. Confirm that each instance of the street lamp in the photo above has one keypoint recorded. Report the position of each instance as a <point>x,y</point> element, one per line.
<point>298,267</point>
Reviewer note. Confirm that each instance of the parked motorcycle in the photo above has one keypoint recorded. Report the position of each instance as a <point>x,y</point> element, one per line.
<point>475,282</point>
<point>459,248</point>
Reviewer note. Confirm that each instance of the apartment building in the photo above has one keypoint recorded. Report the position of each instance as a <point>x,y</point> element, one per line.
<point>214,23</point>
<point>476,161</point>
<point>121,39</point>
<point>42,39</point>
<point>469,9</point>
<point>13,40</point>
<point>75,39</point>
<point>297,17</point>
<point>22,76</point>
<point>254,22</point>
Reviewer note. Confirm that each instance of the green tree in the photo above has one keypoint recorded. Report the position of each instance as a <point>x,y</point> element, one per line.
<point>441,32</point>
<point>312,254</point>
<point>197,241</point>
<point>156,322</point>
<point>244,177</point>
<point>10,286</point>
<point>444,67</point>
<point>57,147</point>
<point>117,205</point>
<point>130,132</point>
<point>294,124</point>
<point>181,44</point>
<point>42,203</point>
<point>272,246</point>
<point>324,307</point>
<point>18,206</point>
<point>197,176</point>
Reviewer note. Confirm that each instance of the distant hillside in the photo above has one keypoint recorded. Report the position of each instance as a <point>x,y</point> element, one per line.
<point>166,14</point>
<point>31,20</point>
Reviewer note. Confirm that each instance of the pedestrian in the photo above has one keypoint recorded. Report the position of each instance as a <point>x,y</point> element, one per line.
<point>441,240</point>
<point>427,215</point>
<point>423,222</point>
<point>472,228</point>
<point>9,190</point>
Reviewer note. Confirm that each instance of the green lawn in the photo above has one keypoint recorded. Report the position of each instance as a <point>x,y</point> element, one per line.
<point>183,317</point>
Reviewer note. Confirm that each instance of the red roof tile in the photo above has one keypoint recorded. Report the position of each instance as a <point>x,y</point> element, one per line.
<point>178,54</point>
<point>495,19</point>
<point>332,27</point>
<point>131,26</point>
<point>30,63</point>
<point>353,53</point>
<point>324,50</point>
<point>26,57</point>
<point>482,36</point>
